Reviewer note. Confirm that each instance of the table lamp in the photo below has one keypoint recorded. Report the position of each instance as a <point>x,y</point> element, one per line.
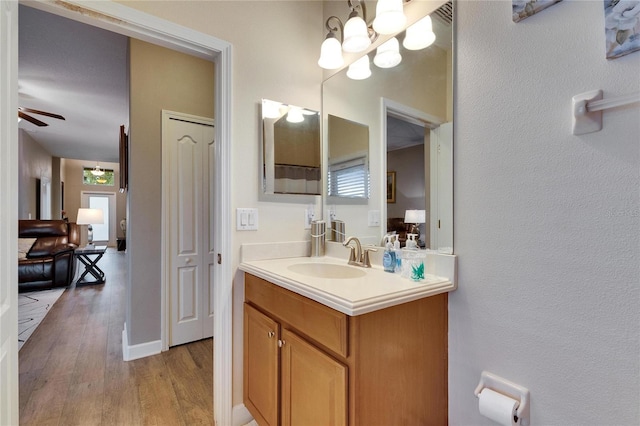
<point>415,218</point>
<point>90,217</point>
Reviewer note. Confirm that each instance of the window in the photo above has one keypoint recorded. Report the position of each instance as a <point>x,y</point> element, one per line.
<point>107,179</point>
<point>349,179</point>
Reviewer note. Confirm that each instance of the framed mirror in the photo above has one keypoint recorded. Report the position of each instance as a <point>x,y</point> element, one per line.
<point>408,110</point>
<point>291,156</point>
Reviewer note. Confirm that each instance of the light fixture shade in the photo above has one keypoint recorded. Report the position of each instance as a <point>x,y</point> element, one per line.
<point>271,109</point>
<point>97,171</point>
<point>331,53</point>
<point>390,17</point>
<point>295,115</point>
<point>414,216</point>
<point>360,69</point>
<point>388,54</point>
<point>90,217</point>
<point>419,35</point>
<point>356,34</point>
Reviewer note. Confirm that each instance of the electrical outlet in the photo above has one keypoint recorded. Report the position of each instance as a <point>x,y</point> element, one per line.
<point>331,214</point>
<point>309,216</point>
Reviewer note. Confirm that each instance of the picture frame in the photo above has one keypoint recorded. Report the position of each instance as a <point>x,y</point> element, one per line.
<point>622,27</point>
<point>391,187</point>
<point>522,9</point>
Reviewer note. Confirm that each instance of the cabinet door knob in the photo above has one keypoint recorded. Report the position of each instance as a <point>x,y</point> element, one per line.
<point>271,334</point>
<point>280,343</point>
<point>187,260</point>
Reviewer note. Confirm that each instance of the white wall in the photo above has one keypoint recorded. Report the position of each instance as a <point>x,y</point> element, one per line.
<point>546,223</point>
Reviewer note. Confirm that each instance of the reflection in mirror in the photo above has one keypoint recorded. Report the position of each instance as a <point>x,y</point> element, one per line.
<point>291,149</point>
<point>348,165</point>
<point>413,100</point>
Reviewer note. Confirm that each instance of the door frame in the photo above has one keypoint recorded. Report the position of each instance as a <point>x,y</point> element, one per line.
<point>130,22</point>
<point>165,279</point>
<point>407,113</point>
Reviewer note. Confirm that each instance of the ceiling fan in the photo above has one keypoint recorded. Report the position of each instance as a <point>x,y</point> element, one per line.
<point>22,113</point>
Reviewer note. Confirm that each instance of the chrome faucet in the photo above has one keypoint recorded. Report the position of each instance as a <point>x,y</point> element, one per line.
<point>357,256</point>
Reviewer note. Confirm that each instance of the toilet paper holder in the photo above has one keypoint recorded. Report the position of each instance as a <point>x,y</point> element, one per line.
<point>507,388</point>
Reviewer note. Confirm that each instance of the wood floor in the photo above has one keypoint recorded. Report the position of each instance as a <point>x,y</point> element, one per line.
<point>72,372</point>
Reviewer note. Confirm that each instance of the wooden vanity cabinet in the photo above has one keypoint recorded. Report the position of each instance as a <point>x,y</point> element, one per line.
<point>307,364</point>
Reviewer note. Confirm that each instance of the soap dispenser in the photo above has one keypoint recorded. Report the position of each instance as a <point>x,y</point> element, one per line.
<point>389,256</point>
<point>398,253</point>
<point>411,242</point>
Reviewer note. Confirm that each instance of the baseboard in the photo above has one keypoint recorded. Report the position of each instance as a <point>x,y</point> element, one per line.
<point>141,350</point>
<point>241,416</point>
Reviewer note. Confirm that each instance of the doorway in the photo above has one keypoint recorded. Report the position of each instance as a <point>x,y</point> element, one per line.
<point>122,19</point>
<point>105,233</point>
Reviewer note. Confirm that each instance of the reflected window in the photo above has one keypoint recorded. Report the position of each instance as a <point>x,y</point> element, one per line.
<point>349,178</point>
<point>106,179</point>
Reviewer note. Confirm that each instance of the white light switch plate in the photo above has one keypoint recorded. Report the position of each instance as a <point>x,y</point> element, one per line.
<point>247,219</point>
<point>374,217</point>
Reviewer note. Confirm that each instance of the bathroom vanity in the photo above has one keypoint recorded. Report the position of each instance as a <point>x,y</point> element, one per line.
<point>369,349</point>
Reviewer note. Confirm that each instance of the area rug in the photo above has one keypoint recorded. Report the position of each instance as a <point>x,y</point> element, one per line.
<point>32,308</point>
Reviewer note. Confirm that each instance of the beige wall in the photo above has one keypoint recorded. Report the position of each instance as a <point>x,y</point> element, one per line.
<point>159,79</point>
<point>73,187</point>
<point>275,51</point>
<point>35,163</point>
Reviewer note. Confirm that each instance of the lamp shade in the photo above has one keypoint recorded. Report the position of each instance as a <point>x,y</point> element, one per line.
<point>414,216</point>
<point>419,35</point>
<point>331,53</point>
<point>356,34</point>
<point>295,115</point>
<point>388,54</point>
<point>360,69</point>
<point>390,17</point>
<point>90,217</point>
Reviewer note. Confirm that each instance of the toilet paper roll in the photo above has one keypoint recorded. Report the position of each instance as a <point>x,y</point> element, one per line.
<point>498,407</point>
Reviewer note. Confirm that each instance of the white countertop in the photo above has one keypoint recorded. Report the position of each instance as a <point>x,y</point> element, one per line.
<point>376,290</point>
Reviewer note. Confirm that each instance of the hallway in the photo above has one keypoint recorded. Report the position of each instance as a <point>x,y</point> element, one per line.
<point>72,372</point>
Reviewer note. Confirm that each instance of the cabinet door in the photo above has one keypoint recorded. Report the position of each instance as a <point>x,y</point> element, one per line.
<point>261,336</point>
<point>314,385</point>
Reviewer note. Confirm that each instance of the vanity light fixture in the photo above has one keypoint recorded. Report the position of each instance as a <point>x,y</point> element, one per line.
<point>357,36</point>
<point>356,32</point>
<point>419,35</point>
<point>390,17</point>
<point>388,54</point>
<point>360,69</point>
<point>271,109</point>
<point>295,115</point>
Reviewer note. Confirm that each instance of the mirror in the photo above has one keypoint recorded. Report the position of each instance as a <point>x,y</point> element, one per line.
<point>408,110</point>
<point>291,156</point>
<point>348,162</point>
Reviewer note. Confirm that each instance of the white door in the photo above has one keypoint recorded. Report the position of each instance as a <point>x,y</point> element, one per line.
<point>442,199</point>
<point>105,233</point>
<point>9,213</point>
<point>189,154</point>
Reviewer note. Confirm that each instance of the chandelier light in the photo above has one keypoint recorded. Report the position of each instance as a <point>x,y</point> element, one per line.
<point>388,54</point>
<point>419,35</point>
<point>390,17</point>
<point>97,171</point>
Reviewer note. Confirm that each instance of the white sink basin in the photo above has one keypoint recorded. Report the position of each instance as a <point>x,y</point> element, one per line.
<point>327,270</point>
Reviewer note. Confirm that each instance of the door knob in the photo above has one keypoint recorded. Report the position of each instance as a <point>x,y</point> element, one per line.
<point>271,334</point>
<point>187,260</point>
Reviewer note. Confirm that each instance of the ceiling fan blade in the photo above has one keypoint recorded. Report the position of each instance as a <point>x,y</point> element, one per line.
<point>31,119</point>
<point>36,111</point>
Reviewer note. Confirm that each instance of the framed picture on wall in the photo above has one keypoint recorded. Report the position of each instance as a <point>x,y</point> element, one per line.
<point>622,27</point>
<point>522,9</point>
<point>391,187</point>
